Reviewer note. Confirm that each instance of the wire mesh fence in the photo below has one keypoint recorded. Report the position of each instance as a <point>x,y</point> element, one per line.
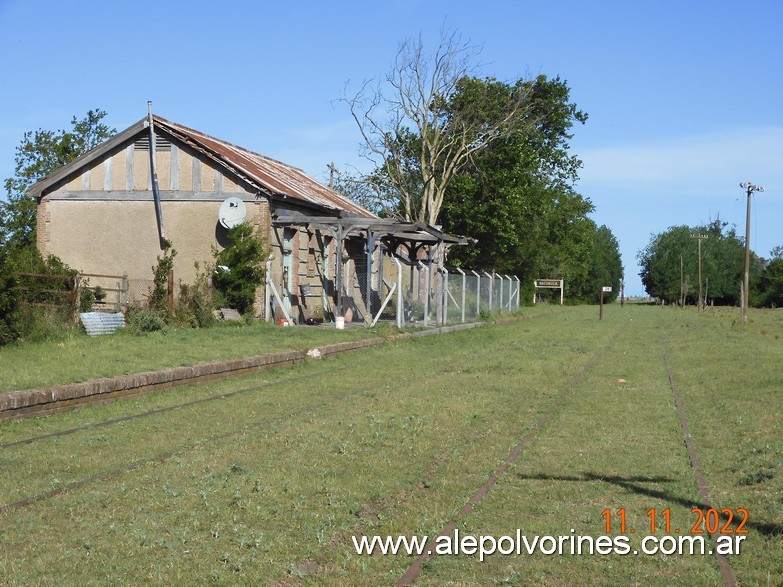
<point>418,294</point>
<point>139,291</point>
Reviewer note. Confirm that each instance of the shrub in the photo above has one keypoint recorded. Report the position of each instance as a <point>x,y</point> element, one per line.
<point>34,308</point>
<point>141,320</point>
<point>86,300</point>
<point>99,293</point>
<point>9,301</point>
<point>158,300</point>
<point>239,268</point>
<point>36,324</point>
<point>195,303</point>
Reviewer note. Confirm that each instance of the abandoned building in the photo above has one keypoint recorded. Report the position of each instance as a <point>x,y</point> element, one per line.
<point>108,212</point>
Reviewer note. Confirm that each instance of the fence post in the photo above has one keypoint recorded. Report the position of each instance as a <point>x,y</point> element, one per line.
<point>463,292</point>
<point>400,315</point>
<point>426,293</point>
<point>478,293</point>
<point>77,297</point>
<point>444,296</point>
<point>510,284</point>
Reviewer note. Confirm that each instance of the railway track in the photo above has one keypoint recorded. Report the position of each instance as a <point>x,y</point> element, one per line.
<point>273,424</point>
<point>164,456</point>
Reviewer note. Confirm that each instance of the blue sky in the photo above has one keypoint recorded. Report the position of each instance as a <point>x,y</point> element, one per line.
<point>684,97</point>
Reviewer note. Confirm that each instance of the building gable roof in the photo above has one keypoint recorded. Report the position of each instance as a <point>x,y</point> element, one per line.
<point>273,179</point>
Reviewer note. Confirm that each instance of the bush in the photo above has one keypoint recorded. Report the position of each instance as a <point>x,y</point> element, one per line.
<point>89,296</point>
<point>155,316</point>
<point>141,321</point>
<point>99,293</point>
<point>35,324</point>
<point>158,300</point>
<point>9,301</point>
<point>195,303</point>
<point>23,314</point>
<point>86,300</point>
<point>239,268</point>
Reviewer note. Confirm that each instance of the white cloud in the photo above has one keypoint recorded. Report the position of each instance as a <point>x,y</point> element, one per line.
<point>641,188</point>
<point>696,164</point>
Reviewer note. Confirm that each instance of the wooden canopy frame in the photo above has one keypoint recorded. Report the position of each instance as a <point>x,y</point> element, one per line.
<point>413,235</point>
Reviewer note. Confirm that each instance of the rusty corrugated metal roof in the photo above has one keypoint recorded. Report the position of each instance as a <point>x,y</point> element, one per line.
<point>271,176</point>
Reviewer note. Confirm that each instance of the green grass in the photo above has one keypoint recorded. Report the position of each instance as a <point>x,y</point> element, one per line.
<point>82,358</point>
<point>267,486</point>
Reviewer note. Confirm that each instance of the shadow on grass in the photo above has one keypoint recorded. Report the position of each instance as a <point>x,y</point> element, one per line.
<point>635,485</point>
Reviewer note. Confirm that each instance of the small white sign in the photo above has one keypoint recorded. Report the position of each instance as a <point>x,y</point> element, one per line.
<point>606,288</point>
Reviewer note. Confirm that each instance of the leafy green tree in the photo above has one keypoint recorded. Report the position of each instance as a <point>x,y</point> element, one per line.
<point>240,268</point>
<point>486,159</point>
<point>417,138</point>
<point>661,261</point>
<point>767,288</point>
<point>9,300</point>
<point>20,317</point>
<point>606,266</point>
<point>517,198</point>
<point>39,154</point>
<point>670,264</point>
<point>723,263</point>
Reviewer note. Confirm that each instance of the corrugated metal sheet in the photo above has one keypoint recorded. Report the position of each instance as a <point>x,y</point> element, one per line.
<point>96,323</point>
<point>275,177</point>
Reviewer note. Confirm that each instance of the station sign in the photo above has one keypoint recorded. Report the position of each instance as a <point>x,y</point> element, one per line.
<point>553,283</point>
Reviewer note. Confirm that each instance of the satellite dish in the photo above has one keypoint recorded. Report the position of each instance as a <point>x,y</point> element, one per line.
<point>232,212</point>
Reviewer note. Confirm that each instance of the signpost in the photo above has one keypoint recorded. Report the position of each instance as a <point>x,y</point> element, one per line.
<point>601,311</point>
<point>548,284</point>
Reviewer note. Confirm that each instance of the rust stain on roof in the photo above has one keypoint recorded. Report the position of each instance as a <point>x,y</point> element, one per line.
<point>271,176</point>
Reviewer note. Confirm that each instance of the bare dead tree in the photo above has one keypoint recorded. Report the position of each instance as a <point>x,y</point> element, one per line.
<point>367,190</point>
<point>408,131</point>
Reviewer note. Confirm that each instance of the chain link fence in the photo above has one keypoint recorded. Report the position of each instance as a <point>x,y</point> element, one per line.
<point>414,294</point>
<point>139,291</point>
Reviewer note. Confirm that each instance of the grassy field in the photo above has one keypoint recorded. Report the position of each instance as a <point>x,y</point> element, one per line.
<point>265,479</point>
<point>83,358</point>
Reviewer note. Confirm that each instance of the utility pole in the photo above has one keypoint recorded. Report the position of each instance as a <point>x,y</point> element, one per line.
<point>750,188</point>
<point>622,289</point>
<point>700,237</point>
<point>332,171</point>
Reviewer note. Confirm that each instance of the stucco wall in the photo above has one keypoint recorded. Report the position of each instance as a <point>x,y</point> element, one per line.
<point>121,237</point>
<point>102,220</point>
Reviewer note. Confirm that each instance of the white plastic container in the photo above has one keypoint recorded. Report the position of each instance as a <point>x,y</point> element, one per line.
<point>339,322</point>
